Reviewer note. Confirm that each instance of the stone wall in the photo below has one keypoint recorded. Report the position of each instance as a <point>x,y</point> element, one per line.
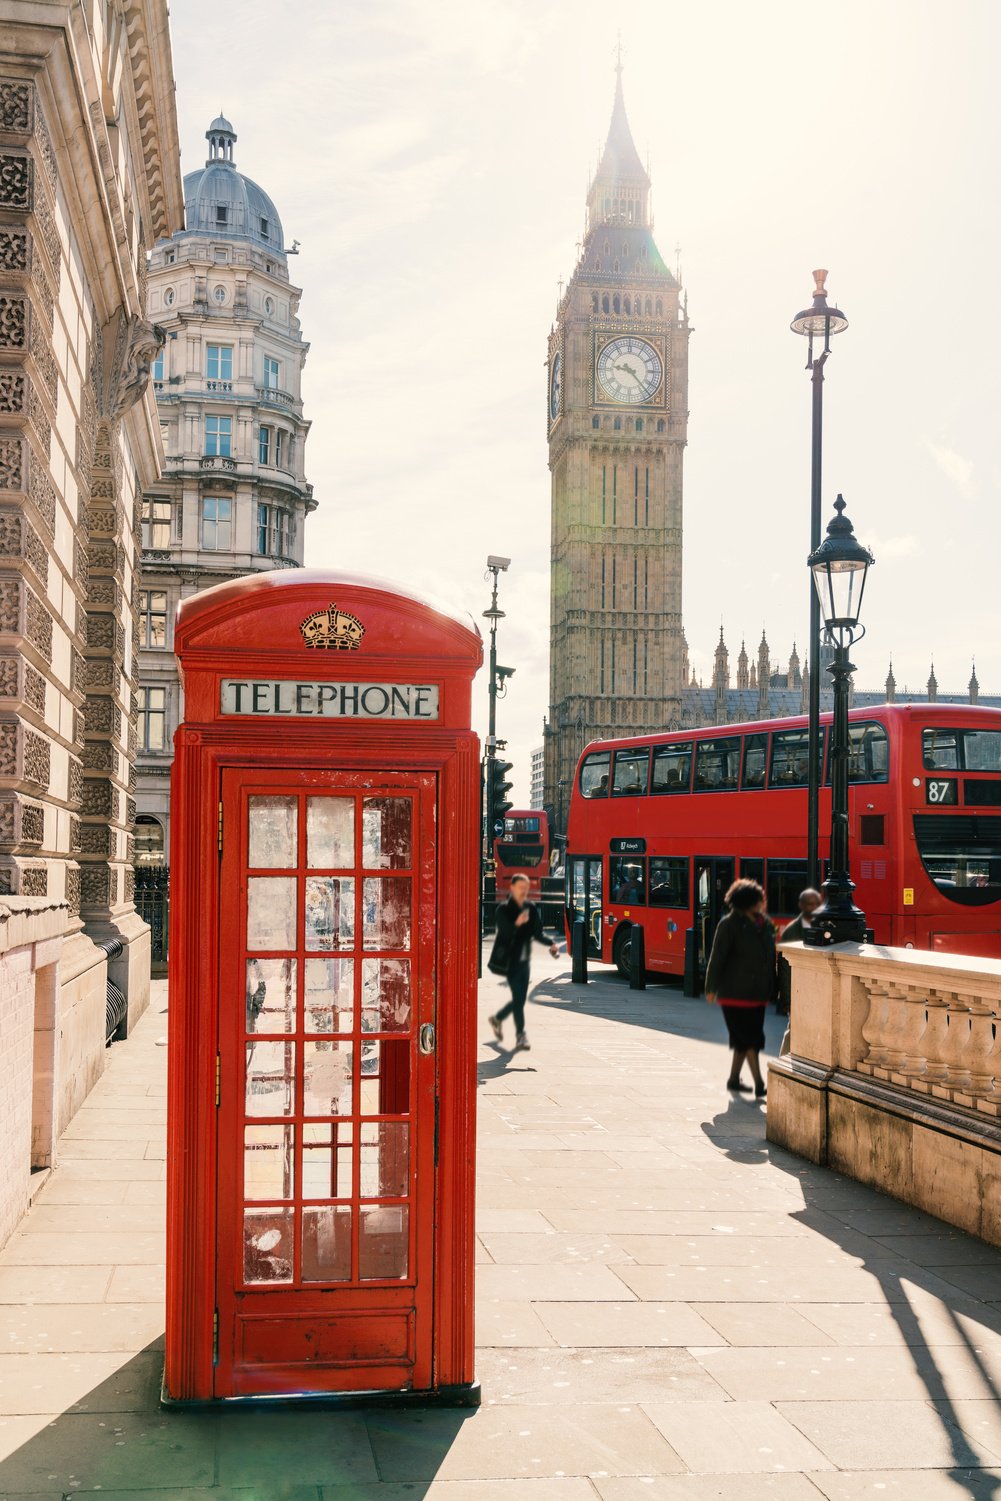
<point>894,1076</point>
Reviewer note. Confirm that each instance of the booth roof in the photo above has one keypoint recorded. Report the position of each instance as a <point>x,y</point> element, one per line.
<point>241,594</point>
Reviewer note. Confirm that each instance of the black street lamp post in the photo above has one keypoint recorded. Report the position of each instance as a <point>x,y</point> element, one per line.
<point>817,322</point>
<point>496,566</point>
<point>839,567</point>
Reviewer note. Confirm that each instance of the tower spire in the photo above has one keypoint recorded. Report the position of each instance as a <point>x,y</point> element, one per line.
<point>620,190</point>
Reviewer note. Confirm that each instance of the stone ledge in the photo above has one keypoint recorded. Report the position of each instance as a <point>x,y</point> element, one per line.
<point>31,919</point>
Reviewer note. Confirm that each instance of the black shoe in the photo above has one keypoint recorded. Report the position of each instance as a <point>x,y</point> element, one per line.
<point>760,1091</point>
<point>737,1086</point>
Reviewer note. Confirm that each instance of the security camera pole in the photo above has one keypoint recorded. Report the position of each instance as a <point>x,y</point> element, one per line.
<point>495,566</point>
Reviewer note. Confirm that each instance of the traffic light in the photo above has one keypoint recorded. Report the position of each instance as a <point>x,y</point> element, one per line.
<point>498,802</point>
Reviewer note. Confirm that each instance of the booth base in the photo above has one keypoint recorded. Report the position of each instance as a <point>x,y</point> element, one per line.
<point>467,1394</point>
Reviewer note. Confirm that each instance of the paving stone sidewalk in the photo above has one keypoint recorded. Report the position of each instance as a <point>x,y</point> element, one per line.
<point>669,1309</point>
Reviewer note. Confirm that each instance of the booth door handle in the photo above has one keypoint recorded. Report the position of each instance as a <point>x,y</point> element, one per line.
<point>426,1041</point>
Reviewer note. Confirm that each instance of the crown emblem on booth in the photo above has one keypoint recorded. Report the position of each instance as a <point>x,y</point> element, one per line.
<point>332,628</point>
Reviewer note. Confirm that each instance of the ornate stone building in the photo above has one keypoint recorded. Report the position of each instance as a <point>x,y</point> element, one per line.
<point>233,496</point>
<point>89,180</point>
<point>617,412</point>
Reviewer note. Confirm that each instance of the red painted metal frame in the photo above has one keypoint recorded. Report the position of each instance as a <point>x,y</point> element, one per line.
<point>250,628</point>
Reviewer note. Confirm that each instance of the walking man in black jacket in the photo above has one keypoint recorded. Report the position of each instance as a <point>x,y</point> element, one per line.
<point>517,924</point>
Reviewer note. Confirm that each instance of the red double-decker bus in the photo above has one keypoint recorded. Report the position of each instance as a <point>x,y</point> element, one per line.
<point>523,849</point>
<point>660,825</point>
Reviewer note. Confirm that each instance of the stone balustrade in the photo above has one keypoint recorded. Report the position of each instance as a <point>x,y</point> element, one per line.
<point>894,1075</point>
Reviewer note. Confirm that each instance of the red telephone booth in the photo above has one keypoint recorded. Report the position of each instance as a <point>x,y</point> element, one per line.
<point>325,836</point>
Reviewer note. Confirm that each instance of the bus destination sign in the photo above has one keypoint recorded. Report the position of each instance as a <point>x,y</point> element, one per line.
<point>627,846</point>
<point>309,700</point>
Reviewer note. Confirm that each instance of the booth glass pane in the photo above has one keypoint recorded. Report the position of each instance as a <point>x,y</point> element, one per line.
<point>267,1245</point>
<point>327,1167</point>
<point>326,1078</point>
<point>384,1172</point>
<point>330,912</point>
<point>330,995</point>
<point>386,841</point>
<point>383,1241</point>
<point>386,912</point>
<point>271,910</point>
<point>268,1162</point>
<point>326,1243</point>
<point>385,1081</point>
<point>270,1078</point>
<point>270,995</point>
<point>272,831</point>
<point>330,833</point>
<point>385,995</point>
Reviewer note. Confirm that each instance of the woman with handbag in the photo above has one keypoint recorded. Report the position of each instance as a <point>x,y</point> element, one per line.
<point>741,976</point>
<point>518,924</point>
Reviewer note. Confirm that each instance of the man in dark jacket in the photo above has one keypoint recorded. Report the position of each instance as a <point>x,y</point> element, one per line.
<point>809,901</point>
<point>517,924</point>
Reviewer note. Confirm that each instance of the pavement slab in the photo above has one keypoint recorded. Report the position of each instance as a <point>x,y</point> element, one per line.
<point>668,1308</point>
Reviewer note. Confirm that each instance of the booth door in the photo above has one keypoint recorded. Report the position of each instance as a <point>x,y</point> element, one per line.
<point>326,1082</point>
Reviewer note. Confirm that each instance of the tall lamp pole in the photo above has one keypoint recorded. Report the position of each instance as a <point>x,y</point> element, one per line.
<point>839,567</point>
<point>817,322</point>
<point>495,566</point>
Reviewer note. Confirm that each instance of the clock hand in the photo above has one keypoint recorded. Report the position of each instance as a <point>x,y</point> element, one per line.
<point>629,371</point>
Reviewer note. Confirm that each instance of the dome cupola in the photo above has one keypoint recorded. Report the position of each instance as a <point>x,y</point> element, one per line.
<point>220,201</point>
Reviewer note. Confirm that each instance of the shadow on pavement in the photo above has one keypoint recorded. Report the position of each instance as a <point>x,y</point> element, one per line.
<point>902,1287</point>
<point>119,1439</point>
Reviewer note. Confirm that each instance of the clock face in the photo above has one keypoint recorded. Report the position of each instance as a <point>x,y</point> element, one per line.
<point>555,387</point>
<point>629,370</point>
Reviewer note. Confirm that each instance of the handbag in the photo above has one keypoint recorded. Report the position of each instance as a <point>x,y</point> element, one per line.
<point>500,956</point>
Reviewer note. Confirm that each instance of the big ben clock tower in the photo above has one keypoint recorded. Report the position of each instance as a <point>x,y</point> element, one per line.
<point>617,412</point>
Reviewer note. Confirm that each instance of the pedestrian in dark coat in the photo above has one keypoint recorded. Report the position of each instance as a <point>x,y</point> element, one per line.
<point>741,977</point>
<point>518,925</point>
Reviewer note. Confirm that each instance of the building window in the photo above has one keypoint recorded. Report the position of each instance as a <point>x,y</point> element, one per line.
<point>152,704</point>
<point>158,369</point>
<point>219,362</point>
<point>217,523</point>
<point>279,447</point>
<point>219,293</point>
<point>153,617</point>
<point>269,306</point>
<point>595,421</point>
<point>660,424</point>
<point>170,258</point>
<point>221,214</point>
<point>274,531</point>
<point>156,523</point>
<point>265,231</point>
<point>639,424</point>
<point>272,372</point>
<point>219,436</point>
<point>168,297</point>
<point>149,841</point>
<point>264,445</point>
<point>220,253</point>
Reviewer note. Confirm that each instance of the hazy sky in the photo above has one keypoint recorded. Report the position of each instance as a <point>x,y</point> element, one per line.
<point>432,156</point>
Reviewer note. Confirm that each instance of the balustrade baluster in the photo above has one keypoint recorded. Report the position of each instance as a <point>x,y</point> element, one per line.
<point>874,1026</point>
<point>937,1040</point>
<point>983,1050</point>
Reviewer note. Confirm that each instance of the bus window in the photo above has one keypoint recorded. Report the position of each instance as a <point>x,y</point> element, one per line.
<point>627,880</point>
<point>717,764</point>
<point>790,758</point>
<point>962,855</point>
<point>672,768</point>
<point>669,882</point>
<point>940,749</point>
<point>594,775</point>
<point>755,757</point>
<point>632,770</point>
<point>786,879</point>
<point>868,754</point>
<point>971,750</point>
<point>753,870</point>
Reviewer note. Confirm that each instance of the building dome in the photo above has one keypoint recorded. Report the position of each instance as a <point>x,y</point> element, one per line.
<point>220,201</point>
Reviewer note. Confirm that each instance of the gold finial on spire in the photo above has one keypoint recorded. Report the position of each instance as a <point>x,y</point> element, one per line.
<point>618,54</point>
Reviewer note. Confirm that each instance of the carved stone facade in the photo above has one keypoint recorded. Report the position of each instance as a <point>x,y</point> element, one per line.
<point>89,179</point>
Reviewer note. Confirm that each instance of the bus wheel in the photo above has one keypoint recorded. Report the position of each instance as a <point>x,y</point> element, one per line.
<point>620,951</point>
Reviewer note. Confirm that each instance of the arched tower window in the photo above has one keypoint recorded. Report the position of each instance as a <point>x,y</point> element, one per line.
<point>617,424</point>
<point>649,307</point>
<point>660,307</point>
<point>604,303</point>
<point>615,265</point>
<point>594,302</point>
<point>616,304</point>
<point>660,424</point>
<point>627,305</point>
<point>595,421</point>
<point>639,424</point>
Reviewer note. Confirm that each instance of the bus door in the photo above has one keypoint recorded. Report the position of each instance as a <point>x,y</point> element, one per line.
<point>713,878</point>
<point>584,898</point>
